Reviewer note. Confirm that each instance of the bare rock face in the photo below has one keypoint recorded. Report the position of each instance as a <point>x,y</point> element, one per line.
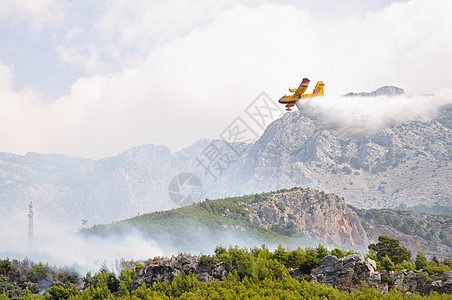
<point>349,272</point>
<point>208,272</point>
<point>180,265</point>
<point>441,284</point>
<point>311,213</point>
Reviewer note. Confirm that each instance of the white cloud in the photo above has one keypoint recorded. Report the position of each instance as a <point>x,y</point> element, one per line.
<point>37,13</point>
<point>86,58</point>
<point>194,76</point>
<point>6,74</point>
<point>129,28</point>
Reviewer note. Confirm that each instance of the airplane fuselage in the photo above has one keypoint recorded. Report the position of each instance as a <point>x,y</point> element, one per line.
<point>293,99</point>
<point>290,100</point>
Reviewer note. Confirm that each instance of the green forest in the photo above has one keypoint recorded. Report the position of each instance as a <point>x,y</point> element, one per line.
<point>174,227</point>
<point>255,273</point>
<point>213,218</point>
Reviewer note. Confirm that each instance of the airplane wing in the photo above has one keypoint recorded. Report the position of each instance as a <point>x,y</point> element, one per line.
<point>302,88</point>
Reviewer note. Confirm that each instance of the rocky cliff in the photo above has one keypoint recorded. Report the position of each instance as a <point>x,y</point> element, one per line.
<point>328,218</point>
<point>311,213</point>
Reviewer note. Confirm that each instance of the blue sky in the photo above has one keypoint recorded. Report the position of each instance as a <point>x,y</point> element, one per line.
<point>93,78</point>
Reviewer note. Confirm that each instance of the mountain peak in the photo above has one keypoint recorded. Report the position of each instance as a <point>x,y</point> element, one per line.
<point>387,90</point>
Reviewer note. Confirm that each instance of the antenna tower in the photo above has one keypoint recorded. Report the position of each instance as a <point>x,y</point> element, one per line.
<point>30,228</point>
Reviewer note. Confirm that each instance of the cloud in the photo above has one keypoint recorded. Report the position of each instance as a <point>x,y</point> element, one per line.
<point>6,74</point>
<point>85,57</point>
<point>354,117</point>
<point>37,13</point>
<point>132,28</point>
<point>178,81</point>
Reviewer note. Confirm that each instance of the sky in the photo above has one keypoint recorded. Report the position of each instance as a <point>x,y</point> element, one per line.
<point>94,78</point>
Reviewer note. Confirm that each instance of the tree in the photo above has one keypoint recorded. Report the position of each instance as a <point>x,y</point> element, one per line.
<point>295,258</point>
<point>281,255</point>
<point>57,292</point>
<point>138,268</point>
<point>421,261</point>
<point>337,252</point>
<point>6,268</point>
<point>220,250</point>
<point>387,263</point>
<point>123,291</point>
<point>321,251</point>
<point>311,261</point>
<point>37,273</point>
<point>9,290</point>
<point>390,247</point>
<point>31,286</point>
<point>87,279</point>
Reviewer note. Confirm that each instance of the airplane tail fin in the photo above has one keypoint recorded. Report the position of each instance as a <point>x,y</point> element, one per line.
<point>318,90</point>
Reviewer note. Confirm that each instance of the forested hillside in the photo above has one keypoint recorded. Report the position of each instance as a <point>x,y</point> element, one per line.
<point>293,217</point>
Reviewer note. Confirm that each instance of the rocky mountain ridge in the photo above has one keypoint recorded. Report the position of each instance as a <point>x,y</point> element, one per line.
<point>403,165</point>
<point>384,90</point>
<point>387,169</point>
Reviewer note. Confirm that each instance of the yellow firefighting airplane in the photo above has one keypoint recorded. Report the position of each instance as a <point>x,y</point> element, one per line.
<point>298,93</point>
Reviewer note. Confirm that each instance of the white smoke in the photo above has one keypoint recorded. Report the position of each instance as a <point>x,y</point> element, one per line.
<point>59,247</point>
<point>83,253</point>
<point>354,117</point>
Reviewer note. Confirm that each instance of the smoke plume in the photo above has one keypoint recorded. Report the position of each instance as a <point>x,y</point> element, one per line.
<point>354,117</point>
<point>59,247</point>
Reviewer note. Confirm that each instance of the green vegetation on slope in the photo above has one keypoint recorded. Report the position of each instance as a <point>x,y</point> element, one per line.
<point>429,227</point>
<point>252,274</point>
<point>209,219</point>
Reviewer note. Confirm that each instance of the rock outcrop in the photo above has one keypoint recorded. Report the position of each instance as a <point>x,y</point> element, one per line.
<point>442,283</point>
<point>181,265</point>
<point>346,274</point>
<point>325,217</point>
<point>349,272</point>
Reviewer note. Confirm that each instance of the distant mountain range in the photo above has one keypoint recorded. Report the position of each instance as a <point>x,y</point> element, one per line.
<point>404,165</point>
